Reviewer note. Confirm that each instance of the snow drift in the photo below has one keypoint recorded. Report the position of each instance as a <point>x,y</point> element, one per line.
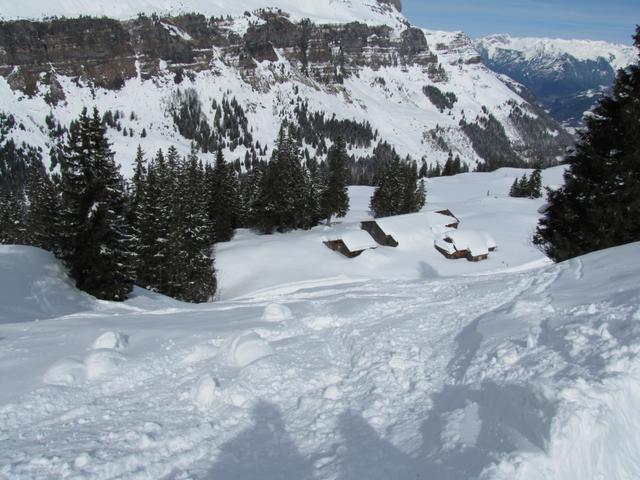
<point>36,286</point>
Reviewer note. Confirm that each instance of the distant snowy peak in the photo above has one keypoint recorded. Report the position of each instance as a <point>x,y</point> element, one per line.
<point>320,11</point>
<point>617,55</point>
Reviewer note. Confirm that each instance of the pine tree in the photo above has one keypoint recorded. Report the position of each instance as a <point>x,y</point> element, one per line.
<point>535,184</point>
<point>282,202</point>
<point>413,199</point>
<point>447,170</point>
<point>153,223</point>
<point>223,202</point>
<point>97,241</point>
<point>599,205</point>
<point>73,165</point>
<point>387,197</point>
<point>424,170</point>
<point>12,216</point>
<point>399,191</point>
<point>514,191</point>
<point>334,198</point>
<point>42,217</point>
<point>192,276</point>
<point>139,177</point>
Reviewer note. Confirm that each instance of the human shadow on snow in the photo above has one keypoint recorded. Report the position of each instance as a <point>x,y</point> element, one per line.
<point>264,451</point>
<point>467,428</point>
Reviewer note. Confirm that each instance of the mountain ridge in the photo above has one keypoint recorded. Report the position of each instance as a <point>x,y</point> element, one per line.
<point>433,86</point>
<point>322,11</point>
<point>568,77</point>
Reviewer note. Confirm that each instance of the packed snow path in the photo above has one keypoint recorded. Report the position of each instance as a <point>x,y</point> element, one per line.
<point>521,375</point>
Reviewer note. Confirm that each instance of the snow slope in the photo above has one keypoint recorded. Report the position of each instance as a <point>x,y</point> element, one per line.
<point>362,98</point>
<point>321,11</point>
<point>523,373</point>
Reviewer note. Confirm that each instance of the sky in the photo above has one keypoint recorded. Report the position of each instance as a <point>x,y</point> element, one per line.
<point>609,20</point>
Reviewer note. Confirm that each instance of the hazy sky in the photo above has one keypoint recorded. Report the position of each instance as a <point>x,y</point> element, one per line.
<point>610,20</point>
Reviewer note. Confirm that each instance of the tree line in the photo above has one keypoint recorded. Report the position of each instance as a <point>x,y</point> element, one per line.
<point>158,228</point>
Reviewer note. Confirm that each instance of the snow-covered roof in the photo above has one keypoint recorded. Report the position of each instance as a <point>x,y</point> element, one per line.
<point>355,240</point>
<point>398,223</point>
<point>476,242</point>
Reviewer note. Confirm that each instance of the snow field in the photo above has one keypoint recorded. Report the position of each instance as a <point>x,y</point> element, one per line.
<point>508,369</point>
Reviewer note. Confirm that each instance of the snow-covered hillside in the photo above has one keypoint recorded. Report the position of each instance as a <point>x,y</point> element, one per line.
<point>397,364</point>
<point>377,73</point>
<point>324,11</point>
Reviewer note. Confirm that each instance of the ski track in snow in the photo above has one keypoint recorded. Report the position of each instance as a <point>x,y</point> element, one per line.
<point>390,379</point>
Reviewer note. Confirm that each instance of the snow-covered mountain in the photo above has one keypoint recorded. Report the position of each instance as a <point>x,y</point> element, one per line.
<point>165,80</point>
<point>398,364</point>
<point>326,11</point>
<point>568,77</point>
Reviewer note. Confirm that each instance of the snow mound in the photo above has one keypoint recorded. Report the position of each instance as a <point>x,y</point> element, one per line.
<point>102,362</point>
<point>204,393</point>
<point>332,392</point>
<point>67,371</point>
<point>111,341</point>
<point>35,286</point>
<point>200,352</point>
<point>249,348</point>
<point>276,313</point>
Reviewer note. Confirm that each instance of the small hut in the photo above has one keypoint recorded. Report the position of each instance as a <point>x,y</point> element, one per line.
<point>351,244</point>
<point>387,231</point>
<point>470,244</point>
<point>375,229</point>
<point>453,221</point>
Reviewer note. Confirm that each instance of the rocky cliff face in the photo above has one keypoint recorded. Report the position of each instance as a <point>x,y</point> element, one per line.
<point>108,52</point>
<point>419,91</point>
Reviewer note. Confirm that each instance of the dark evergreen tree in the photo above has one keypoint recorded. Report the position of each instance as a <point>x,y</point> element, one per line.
<point>223,202</point>
<point>12,216</point>
<point>413,199</point>
<point>334,198</point>
<point>192,276</point>
<point>97,242</point>
<point>527,187</point>
<point>154,220</point>
<point>535,184</point>
<point>599,205</point>
<point>398,191</point>
<point>387,197</point>
<point>282,202</point>
<point>424,169</point>
<point>42,217</point>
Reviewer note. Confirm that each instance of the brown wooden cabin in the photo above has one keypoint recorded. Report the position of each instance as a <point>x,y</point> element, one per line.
<point>341,247</point>
<point>458,244</point>
<point>455,221</point>
<point>378,234</point>
<point>351,243</point>
<point>463,254</point>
